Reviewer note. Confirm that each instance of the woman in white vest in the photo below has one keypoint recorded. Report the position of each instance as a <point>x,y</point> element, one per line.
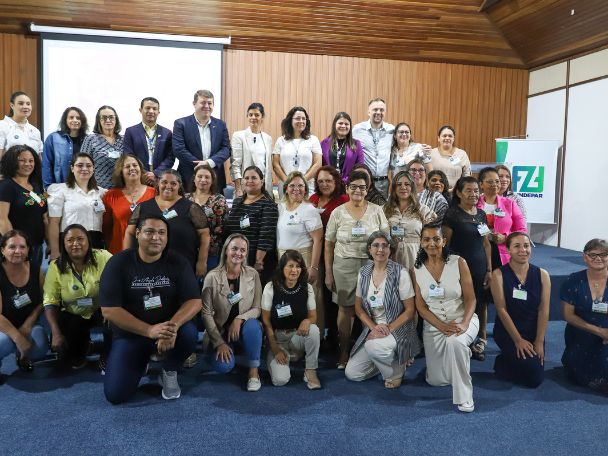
<point>251,147</point>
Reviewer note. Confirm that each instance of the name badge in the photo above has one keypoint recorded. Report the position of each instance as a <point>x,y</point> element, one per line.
<point>294,220</point>
<point>113,154</point>
<point>358,231</point>
<point>98,206</point>
<point>375,302</point>
<point>498,213</point>
<point>234,298</point>
<point>600,307</point>
<point>208,211</point>
<point>483,229</point>
<point>152,301</point>
<point>21,300</point>
<point>169,214</point>
<point>436,291</point>
<point>454,160</point>
<point>518,293</point>
<point>284,311</point>
<point>296,162</point>
<point>133,206</point>
<point>245,222</point>
<point>35,197</point>
<point>85,302</point>
<point>397,231</point>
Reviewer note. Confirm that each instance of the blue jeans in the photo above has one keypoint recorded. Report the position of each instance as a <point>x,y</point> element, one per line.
<point>250,341</point>
<point>130,355</point>
<point>38,338</point>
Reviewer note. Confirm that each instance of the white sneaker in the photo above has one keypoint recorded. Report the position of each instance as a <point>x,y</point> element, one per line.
<point>254,384</point>
<point>168,380</point>
<point>467,406</point>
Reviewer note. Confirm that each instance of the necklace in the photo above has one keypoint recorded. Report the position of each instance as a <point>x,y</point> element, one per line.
<point>291,292</point>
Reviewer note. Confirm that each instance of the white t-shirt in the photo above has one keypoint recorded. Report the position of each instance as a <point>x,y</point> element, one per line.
<point>73,205</point>
<point>269,293</point>
<point>376,294</point>
<point>294,227</point>
<point>303,149</point>
<point>12,134</point>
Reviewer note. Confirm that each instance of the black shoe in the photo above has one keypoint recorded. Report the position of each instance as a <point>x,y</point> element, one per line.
<point>78,363</point>
<point>25,364</point>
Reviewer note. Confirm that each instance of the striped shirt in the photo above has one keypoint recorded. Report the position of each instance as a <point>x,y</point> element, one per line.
<point>435,202</point>
<point>104,156</point>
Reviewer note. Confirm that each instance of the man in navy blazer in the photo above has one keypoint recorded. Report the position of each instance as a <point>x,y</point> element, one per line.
<point>150,142</point>
<point>201,138</point>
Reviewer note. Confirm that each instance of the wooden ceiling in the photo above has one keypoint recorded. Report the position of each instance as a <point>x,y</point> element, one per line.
<point>506,33</point>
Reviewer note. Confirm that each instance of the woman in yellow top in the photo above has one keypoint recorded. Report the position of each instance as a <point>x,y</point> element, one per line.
<point>71,292</point>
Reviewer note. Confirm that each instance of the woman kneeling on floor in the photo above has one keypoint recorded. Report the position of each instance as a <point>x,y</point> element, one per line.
<point>446,300</point>
<point>289,315</point>
<point>385,305</point>
<point>231,305</point>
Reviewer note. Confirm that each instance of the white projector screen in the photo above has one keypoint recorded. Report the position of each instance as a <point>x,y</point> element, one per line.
<point>92,72</point>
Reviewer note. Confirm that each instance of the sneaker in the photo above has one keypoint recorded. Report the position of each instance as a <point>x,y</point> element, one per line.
<point>467,406</point>
<point>311,379</point>
<point>190,361</point>
<point>254,384</point>
<point>168,380</point>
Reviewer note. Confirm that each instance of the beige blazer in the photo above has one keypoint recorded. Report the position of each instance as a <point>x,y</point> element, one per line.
<point>216,307</point>
<point>241,158</point>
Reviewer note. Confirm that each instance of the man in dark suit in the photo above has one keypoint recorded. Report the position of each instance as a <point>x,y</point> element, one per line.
<point>150,142</point>
<point>201,138</point>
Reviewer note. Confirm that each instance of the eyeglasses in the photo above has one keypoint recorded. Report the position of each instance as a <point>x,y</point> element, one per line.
<point>490,182</point>
<point>299,119</point>
<point>380,245</point>
<point>149,233</point>
<point>71,241</point>
<point>595,256</point>
<point>416,170</point>
<point>403,133</point>
<point>354,187</point>
<point>110,118</point>
<point>296,186</point>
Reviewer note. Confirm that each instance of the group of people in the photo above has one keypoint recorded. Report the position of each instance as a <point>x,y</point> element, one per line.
<point>393,232</point>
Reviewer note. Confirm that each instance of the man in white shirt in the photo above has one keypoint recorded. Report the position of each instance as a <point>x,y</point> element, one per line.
<point>201,138</point>
<point>376,137</point>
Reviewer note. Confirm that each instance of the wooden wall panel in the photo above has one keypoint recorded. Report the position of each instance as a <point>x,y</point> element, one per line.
<point>482,103</point>
<point>18,70</point>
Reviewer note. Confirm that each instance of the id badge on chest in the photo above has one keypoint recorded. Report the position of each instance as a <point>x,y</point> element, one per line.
<point>245,222</point>
<point>294,219</point>
<point>483,229</point>
<point>284,311</point>
<point>454,161</point>
<point>114,154</point>
<point>435,291</point>
<point>296,162</point>
<point>520,294</point>
<point>84,302</point>
<point>498,212</point>
<point>375,302</point>
<point>600,307</point>
<point>152,301</point>
<point>234,298</point>
<point>208,211</point>
<point>98,206</point>
<point>358,230</point>
<point>169,214</point>
<point>397,231</point>
<point>21,300</point>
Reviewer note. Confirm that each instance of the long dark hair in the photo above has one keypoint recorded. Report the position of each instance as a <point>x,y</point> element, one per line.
<point>64,259</point>
<point>422,255</point>
<point>9,164</point>
<point>63,123</point>
<point>338,182</point>
<point>444,181</point>
<point>71,180</point>
<point>350,141</point>
<point>278,279</point>
<point>97,128</point>
<point>287,127</point>
<point>392,204</point>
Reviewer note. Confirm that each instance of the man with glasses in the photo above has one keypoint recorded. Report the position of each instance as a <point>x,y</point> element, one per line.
<point>433,200</point>
<point>376,137</point>
<point>150,142</point>
<point>149,295</point>
<point>200,138</point>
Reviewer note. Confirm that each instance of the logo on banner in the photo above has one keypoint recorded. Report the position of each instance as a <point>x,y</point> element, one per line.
<point>529,181</point>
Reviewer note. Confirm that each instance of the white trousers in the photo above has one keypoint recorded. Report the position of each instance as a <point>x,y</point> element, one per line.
<point>448,360</point>
<point>375,356</point>
<point>294,346</point>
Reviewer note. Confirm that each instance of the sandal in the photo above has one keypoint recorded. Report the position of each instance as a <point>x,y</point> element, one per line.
<point>392,383</point>
<point>478,349</point>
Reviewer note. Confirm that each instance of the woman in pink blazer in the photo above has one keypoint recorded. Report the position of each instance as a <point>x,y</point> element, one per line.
<point>503,215</point>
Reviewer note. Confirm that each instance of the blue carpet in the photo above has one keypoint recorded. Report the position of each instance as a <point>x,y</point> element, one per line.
<point>53,412</point>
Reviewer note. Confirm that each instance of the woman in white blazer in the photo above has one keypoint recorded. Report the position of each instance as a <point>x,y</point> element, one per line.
<point>251,147</point>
